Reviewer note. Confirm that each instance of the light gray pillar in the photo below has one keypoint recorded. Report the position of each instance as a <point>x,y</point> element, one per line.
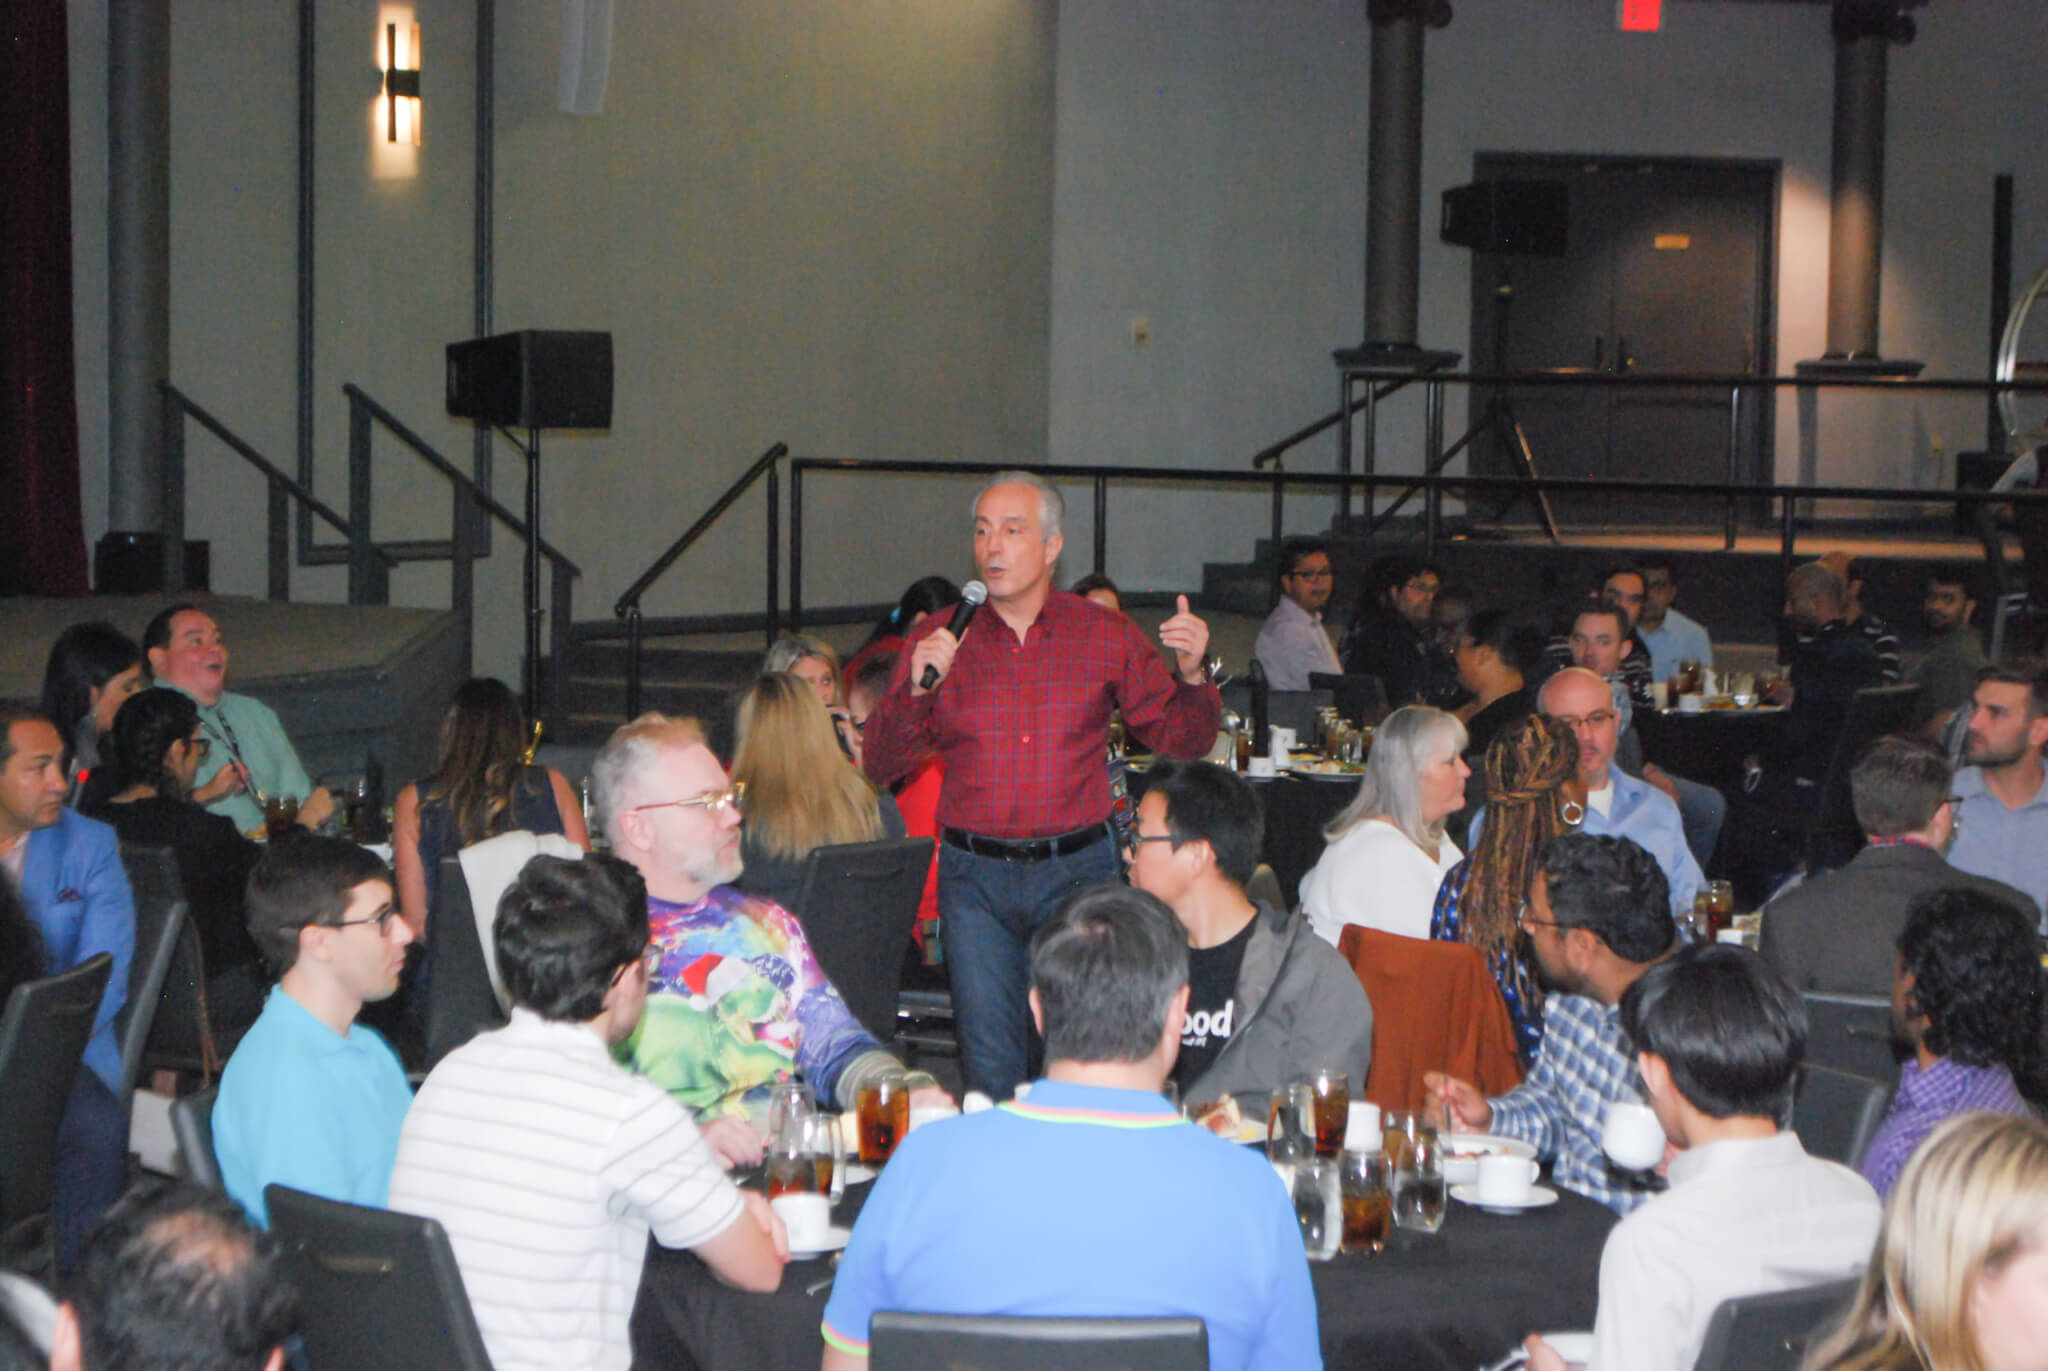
<point>1393,191</point>
<point>138,258</point>
<point>1856,223</point>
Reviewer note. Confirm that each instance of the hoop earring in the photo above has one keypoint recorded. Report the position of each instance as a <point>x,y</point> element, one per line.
<point>1564,811</point>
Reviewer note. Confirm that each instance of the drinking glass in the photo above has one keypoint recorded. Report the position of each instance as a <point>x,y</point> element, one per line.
<point>1419,1186</point>
<point>1362,1187</point>
<point>1332,1091</point>
<point>1318,1207</point>
<point>280,812</point>
<point>787,1100</point>
<point>884,1106</point>
<point>1401,1130</point>
<point>1291,1125</point>
<point>1720,906</point>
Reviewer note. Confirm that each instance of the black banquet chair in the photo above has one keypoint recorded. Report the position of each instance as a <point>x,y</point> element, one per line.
<point>377,1289</point>
<point>43,1034</point>
<point>161,919</point>
<point>192,1129</point>
<point>1851,1033</point>
<point>857,904</point>
<point>459,1002</point>
<point>1772,1332</point>
<point>178,1035</point>
<point>946,1342</point>
<point>1836,1114</point>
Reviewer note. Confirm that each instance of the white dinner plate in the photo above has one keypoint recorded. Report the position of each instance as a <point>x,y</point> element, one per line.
<point>834,1239</point>
<point>1463,1150</point>
<point>1539,1196</point>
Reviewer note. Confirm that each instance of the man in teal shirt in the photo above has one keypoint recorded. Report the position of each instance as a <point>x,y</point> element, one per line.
<point>247,753</point>
<point>311,1098</point>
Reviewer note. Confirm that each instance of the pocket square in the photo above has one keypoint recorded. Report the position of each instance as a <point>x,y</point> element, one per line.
<point>68,894</point>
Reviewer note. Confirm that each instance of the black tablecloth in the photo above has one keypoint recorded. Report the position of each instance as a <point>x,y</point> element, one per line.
<point>1448,1301</point>
<point>1709,746</point>
<point>1297,807</point>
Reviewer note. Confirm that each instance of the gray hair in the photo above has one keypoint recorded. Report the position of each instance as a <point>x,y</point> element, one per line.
<point>1405,742</point>
<point>1052,506</point>
<point>627,753</point>
<point>792,648</point>
<point>1818,578</point>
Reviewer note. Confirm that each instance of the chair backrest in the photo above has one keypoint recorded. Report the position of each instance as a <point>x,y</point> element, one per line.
<point>376,1289</point>
<point>43,1033</point>
<point>1851,1033</point>
<point>1771,1332</point>
<point>460,1001</point>
<point>1836,1114</point>
<point>178,1035</point>
<point>857,904</point>
<point>192,1128</point>
<point>1435,1007</point>
<point>1295,709</point>
<point>161,913</point>
<point>1360,698</point>
<point>988,1342</point>
<point>1873,712</point>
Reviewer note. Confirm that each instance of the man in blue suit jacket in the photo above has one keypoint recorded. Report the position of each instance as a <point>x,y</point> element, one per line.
<point>69,872</point>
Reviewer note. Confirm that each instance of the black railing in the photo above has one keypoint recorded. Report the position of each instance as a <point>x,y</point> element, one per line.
<point>468,504</point>
<point>369,566</point>
<point>628,606</point>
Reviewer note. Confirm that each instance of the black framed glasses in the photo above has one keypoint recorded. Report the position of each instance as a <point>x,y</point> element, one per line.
<point>199,745</point>
<point>1523,921</point>
<point>382,919</point>
<point>733,797</point>
<point>1138,840</point>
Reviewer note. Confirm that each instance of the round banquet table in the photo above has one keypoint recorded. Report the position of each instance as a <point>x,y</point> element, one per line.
<point>1708,746</point>
<point>1297,807</point>
<point>1446,1301</point>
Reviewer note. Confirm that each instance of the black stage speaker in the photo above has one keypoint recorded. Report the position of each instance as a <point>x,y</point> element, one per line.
<point>536,378</point>
<point>1507,216</point>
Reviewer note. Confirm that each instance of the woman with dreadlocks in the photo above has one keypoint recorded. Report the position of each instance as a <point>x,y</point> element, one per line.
<point>1533,794</point>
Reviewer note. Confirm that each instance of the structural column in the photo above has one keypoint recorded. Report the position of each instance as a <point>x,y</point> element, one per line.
<point>138,287</point>
<point>1393,195</point>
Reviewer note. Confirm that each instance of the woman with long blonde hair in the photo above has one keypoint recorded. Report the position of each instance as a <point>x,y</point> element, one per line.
<point>1959,1280</point>
<point>1533,794</point>
<point>801,791</point>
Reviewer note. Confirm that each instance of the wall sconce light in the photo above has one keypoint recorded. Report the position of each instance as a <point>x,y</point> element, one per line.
<point>401,94</point>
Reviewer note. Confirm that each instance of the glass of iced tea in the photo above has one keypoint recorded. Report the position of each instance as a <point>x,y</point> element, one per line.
<point>884,1106</point>
<point>804,1156</point>
<point>280,812</point>
<point>1367,1200</point>
<point>1332,1110</point>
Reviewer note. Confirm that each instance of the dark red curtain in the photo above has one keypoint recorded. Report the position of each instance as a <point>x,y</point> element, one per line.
<point>42,529</point>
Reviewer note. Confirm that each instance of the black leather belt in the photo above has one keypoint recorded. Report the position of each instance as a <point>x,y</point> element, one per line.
<point>1025,849</point>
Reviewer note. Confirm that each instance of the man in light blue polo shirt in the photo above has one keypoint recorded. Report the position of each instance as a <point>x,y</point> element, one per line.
<point>1091,1198</point>
<point>2002,822</point>
<point>311,1098</point>
<point>1672,637</point>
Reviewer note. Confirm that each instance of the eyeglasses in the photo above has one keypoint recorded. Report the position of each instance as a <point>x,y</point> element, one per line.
<point>1599,718</point>
<point>199,747</point>
<point>1523,920</point>
<point>1312,573</point>
<point>1138,840</point>
<point>649,961</point>
<point>382,919</point>
<point>732,797</point>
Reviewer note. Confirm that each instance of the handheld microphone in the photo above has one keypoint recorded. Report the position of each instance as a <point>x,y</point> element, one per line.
<point>971,596</point>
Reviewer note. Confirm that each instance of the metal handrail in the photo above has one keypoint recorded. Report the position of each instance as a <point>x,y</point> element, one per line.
<point>628,606</point>
<point>368,566</point>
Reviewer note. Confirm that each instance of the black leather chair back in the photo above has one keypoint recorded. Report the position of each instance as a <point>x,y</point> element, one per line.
<point>460,1001</point>
<point>946,1342</point>
<point>161,913</point>
<point>857,904</point>
<point>1851,1033</point>
<point>1772,1332</point>
<point>43,1033</point>
<point>179,1036</point>
<point>1836,1114</point>
<point>192,1128</point>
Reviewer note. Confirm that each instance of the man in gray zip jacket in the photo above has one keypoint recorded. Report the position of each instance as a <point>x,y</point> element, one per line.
<point>1268,1001</point>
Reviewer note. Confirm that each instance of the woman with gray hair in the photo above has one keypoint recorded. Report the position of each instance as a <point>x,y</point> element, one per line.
<point>1387,851</point>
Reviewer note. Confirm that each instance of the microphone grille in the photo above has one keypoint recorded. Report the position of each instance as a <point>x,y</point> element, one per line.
<point>973,593</point>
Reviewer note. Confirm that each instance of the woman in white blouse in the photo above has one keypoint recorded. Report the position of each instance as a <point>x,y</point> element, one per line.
<point>1387,852</point>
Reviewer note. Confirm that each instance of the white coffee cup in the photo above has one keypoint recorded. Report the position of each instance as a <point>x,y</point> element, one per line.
<point>1691,704</point>
<point>1281,743</point>
<point>1505,1178</point>
<point>807,1216</point>
<point>930,1113</point>
<point>1632,1137</point>
<point>1362,1127</point>
<point>1264,766</point>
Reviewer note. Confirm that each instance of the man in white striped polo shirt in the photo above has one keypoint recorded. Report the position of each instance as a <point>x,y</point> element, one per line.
<point>547,1162</point>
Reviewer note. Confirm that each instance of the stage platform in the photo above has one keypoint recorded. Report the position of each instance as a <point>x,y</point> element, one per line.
<point>355,685</point>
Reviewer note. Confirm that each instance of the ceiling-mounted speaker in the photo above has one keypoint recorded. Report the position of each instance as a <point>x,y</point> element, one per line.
<point>1508,216</point>
<point>586,55</point>
<point>535,378</point>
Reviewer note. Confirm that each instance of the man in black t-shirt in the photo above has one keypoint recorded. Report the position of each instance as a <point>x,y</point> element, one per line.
<point>1268,1001</point>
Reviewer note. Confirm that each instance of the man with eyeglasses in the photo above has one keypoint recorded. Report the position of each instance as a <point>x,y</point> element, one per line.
<point>311,1098</point>
<point>737,1002</point>
<point>1293,642</point>
<point>1393,638</point>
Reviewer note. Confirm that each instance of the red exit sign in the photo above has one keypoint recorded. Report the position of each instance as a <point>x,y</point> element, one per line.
<point>1639,16</point>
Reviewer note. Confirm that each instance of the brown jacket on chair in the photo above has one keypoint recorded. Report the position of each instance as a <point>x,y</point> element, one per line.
<point>1435,1008</point>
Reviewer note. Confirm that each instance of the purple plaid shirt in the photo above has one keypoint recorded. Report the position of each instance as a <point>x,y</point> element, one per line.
<point>1925,1098</point>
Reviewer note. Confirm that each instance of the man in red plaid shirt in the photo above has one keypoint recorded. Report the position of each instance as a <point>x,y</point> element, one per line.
<point>1020,715</point>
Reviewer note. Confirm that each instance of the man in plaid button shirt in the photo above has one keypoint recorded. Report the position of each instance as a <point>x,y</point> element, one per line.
<point>1599,914</point>
<point>1020,715</point>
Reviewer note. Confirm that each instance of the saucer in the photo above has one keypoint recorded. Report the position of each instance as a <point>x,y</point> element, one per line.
<point>834,1239</point>
<point>1538,1197</point>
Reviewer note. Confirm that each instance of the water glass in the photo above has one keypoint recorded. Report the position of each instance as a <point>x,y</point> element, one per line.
<point>1291,1125</point>
<point>1401,1130</point>
<point>1318,1207</point>
<point>1419,1186</point>
<point>788,1100</point>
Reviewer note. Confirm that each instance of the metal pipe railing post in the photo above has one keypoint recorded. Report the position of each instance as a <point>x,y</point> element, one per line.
<point>796,546</point>
<point>633,662</point>
<point>462,559</point>
<point>359,590</point>
<point>1734,462</point>
<point>561,608</point>
<point>1432,462</point>
<point>1368,447</point>
<point>774,554</point>
<point>279,528</point>
<point>173,477</point>
<point>1788,532</point>
<point>1279,521</point>
<point>1101,525</point>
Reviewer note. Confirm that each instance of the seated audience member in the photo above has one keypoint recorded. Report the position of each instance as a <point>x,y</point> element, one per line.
<point>1672,637</point>
<point>1616,802</point>
<point>1387,851</point>
<point>311,1098</point>
<point>1499,657</point>
<point>1447,615</point>
<point>801,791</point>
<point>1621,587</point>
<point>2003,809</point>
<point>1956,1278</point>
<point>1532,777</point>
<point>547,1162</point>
<point>1293,641</point>
<point>1268,1001</point>
<point>250,755</point>
<point>93,668</point>
<point>1837,932</point>
<point>481,787</point>
<point>1967,998</point>
<point>1718,1038</point>
<point>737,1000</point>
<point>1955,654</point>
<point>1390,634</point>
<point>152,753</point>
<point>916,795</point>
<point>1828,664</point>
<point>67,869</point>
<point>1883,640</point>
<point>923,597</point>
<point>1598,917</point>
<point>1099,588</point>
<point>174,1278</point>
<point>811,660</point>
<point>1108,1204</point>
